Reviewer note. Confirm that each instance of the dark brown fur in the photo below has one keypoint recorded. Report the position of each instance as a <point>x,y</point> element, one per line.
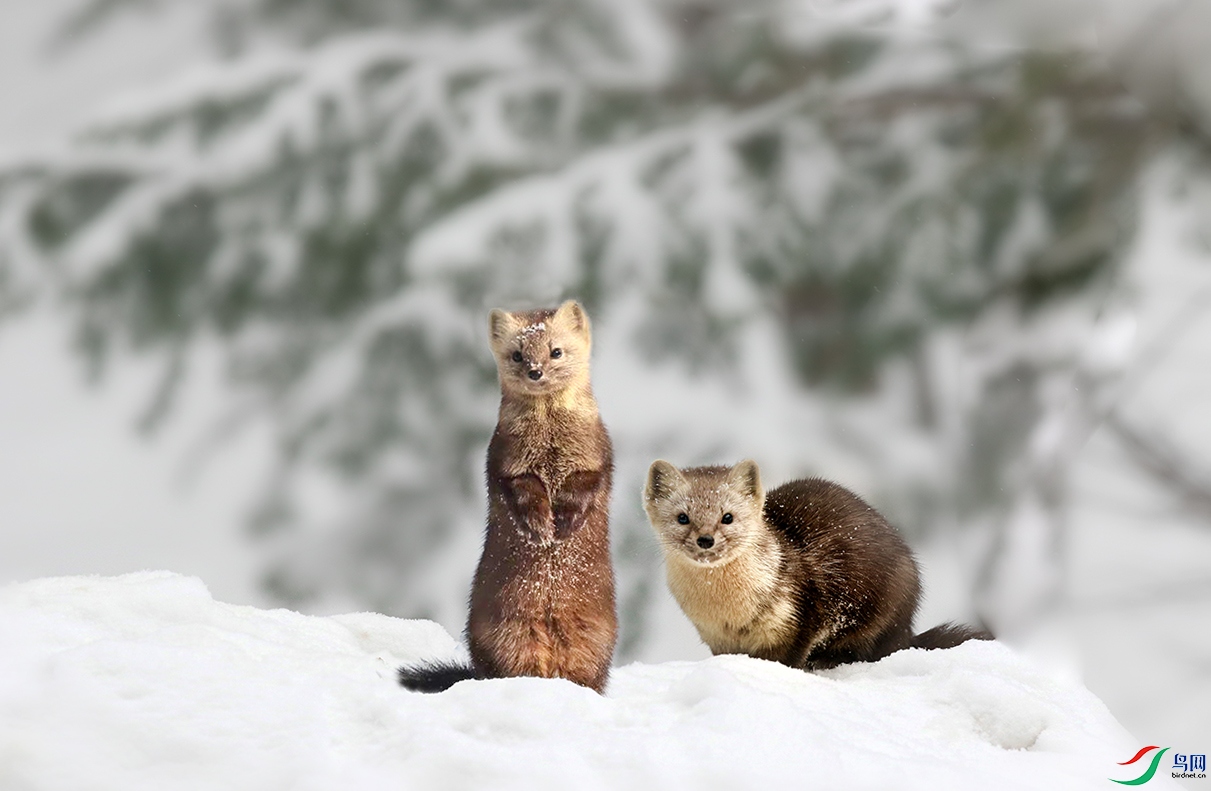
<point>542,601</point>
<point>821,577</point>
<point>850,571</point>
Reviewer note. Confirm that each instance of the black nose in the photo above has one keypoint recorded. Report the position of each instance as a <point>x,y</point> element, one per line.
<point>535,375</point>
<point>706,542</point>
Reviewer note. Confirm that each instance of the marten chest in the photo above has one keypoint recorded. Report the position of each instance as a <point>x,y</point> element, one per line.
<point>740,607</point>
<point>551,446</point>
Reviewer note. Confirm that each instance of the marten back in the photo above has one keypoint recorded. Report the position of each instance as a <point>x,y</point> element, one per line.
<point>856,583</point>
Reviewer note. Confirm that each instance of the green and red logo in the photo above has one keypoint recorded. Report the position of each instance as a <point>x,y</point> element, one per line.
<point>1149,772</point>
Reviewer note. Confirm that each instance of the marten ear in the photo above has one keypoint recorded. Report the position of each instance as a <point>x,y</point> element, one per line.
<point>747,478</point>
<point>662,479</point>
<point>501,326</point>
<point>572,316</point>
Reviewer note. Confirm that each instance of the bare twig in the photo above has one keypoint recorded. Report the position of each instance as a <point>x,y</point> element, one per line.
<point>1165,463</point>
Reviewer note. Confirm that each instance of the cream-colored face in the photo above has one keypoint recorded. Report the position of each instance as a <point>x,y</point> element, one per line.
<point>541,352</point>
<point>706,514</point>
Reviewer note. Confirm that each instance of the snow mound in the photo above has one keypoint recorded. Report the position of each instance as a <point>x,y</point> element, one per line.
<point>145,682</point>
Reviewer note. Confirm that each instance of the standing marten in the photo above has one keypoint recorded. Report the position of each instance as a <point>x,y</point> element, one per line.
<point>542,602</point>
<point>809,576</point>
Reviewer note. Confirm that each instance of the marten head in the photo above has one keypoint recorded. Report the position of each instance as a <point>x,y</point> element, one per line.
<point>708,514</point>
<point>541,352</point>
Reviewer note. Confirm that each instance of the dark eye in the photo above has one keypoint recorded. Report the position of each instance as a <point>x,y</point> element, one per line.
<point>516,357</point>
<point>556,354</point>
<point>683,518</point>
<point>727,519</point>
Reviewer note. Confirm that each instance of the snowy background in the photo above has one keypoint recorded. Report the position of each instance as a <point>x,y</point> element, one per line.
<point>954,257</point>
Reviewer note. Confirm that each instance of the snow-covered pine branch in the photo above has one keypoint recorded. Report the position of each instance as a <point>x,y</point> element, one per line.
<point>869,244</point>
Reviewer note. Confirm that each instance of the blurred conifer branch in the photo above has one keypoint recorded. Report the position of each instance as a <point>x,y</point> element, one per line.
<point>883,204</point>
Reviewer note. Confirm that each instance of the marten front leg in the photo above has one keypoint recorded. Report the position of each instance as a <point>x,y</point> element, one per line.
<point>572,500</point>
<point>529,505</point>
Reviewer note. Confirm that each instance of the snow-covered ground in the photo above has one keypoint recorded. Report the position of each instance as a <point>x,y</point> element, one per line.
<point>145,682</point>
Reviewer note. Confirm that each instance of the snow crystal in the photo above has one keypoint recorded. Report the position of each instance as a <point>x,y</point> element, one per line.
<point>143,681</point>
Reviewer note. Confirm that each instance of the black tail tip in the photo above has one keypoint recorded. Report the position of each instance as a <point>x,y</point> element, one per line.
<point>434,676</point>
<point>948,635</point>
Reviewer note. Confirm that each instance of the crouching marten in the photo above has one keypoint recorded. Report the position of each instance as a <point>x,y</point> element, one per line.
<point>542,602</point>
<point>808,575</point>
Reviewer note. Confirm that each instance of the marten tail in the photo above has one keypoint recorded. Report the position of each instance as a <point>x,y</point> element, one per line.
<point>948,635</point>
<point>435,676</point>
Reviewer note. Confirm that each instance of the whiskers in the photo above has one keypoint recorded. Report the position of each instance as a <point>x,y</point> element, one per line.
<point>669,543</point>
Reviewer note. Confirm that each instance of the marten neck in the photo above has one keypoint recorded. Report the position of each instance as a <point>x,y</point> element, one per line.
<point>575,399</point>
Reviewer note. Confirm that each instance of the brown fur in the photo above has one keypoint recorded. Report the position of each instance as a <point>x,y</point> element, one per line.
<point>542,602</point>
<point>808,575</point>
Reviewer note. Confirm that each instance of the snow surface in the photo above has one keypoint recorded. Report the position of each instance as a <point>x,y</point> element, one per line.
<point>144,681</point>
